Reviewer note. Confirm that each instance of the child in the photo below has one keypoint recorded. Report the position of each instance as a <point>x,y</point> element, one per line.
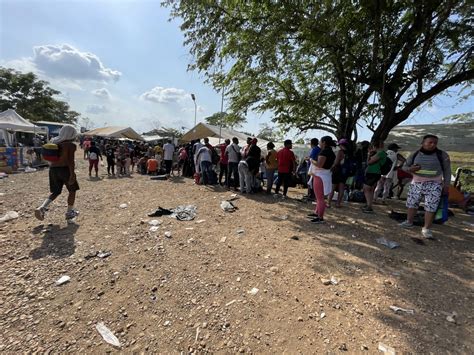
<point>142,165</point>
<point>61,173</point>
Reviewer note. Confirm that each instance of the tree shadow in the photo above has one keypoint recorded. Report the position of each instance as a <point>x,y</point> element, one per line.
<point>58,242</point>
<point>433,279</point>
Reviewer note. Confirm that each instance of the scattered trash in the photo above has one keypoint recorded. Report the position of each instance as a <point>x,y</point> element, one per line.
<point>253,291</point>
<point>386,349</point>
<point>228,206</point>
<point>201,221</point>
<point>332,226</point>
<point>295,237</point>
<point>284,217</point>
<point>388,243</point>
<point>331,281</point>
<point>154,228</point>
<point>30,170</point>
<point>451,318</point>
<point>104,254</point>
<point>100,254</point>
<point>189,228</point>
<point>240,231</point>
<point>160,211</point>
<point>274,269</point>
<point>159,177</point>
<point>229,303</point>
<point>62,280</point>
<point>106,333</point>
<point>354,236</point>
<point>470,224</point>
<point>223,239</point>
<point>9,216</point>
<point>233,197</point>
<point>123,205</point>
<point>154,222</point>
<point>322,315</point>
<point>167,323</point>
<point>399,309</point>
<point>168,234</point>
<point>184,213</point>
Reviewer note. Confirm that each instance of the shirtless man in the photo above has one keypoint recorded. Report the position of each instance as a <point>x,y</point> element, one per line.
<point>61,173</point>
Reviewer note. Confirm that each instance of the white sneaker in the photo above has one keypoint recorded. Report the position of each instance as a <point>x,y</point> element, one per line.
<point>427,233</point>
<point>406,224</point>
<point>40,212</point>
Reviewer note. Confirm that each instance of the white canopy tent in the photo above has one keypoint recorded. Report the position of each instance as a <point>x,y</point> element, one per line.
<point>11,122</point>
<point>115,132</point>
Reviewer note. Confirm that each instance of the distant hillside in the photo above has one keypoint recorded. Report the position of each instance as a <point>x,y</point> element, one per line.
<point>455,137</point>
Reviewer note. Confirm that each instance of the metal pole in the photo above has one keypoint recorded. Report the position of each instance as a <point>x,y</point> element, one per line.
<point>222,115</point>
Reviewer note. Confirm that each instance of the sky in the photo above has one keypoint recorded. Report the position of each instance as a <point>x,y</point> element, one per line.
<point>123,63</point>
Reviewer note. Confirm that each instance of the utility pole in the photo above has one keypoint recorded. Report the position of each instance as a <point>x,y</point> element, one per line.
<point>195,108</point>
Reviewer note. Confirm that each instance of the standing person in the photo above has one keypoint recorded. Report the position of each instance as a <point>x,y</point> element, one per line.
<point>223,161</point>
<point>431,169</point>
<point>196,146</point>
<point>168,151</point>
<point>182,157</point>
<point>321,178</point>
<point>286,166</point>
<point>313,155</point>
<point>245,150</point>
<point>127,164</point>
<point>338,175</point>
<point>253,163</point>
<point>37,147</point>
<point>361,156</point>
<point>110,156</point>
<point>386,181</point>
<point>271,165</point>
<point>234,156</point>
<point>94,155</point>
<point>86,145</point>
<point>62,173</point>
<point>204,161</point>
<point>376,159</point>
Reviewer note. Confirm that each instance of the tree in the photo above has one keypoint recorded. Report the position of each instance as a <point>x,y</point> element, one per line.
<point>227,120</point>
<point>87,123</point>
<point>165,132</point>
<point>330,65</point>
<point>467,117</point>
<point>32,98</point>
<point>269,133</point>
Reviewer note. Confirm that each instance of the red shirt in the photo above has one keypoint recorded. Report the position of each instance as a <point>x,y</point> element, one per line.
<point>224,158</point>
<point>286,159</point>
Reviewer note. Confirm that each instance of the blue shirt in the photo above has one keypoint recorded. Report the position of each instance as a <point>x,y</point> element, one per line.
<point>314,153</point>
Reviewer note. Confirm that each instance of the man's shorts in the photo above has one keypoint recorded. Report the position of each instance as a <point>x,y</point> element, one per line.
<point>371,179</point>
<point>431,190</point>
<point>58,177</point>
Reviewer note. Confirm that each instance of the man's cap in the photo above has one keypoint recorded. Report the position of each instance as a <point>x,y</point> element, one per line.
<point>393,146</point>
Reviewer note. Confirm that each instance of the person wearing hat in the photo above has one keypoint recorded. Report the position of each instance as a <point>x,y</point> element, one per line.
<point>320,173</point>
<point>386,181</point>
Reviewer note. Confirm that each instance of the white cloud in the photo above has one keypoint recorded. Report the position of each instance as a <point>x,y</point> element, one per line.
<point>102,93</point>
<point>164,95</point>
<point>191,109</point>
<point>68,62</point>
<point>96,109</point>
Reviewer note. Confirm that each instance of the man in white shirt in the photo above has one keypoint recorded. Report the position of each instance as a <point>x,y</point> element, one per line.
<point>168,151</point>
<point>234,156</point>
<point>204,162</point>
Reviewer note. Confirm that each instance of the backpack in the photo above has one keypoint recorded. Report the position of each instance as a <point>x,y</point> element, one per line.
<point>93,156</point>
<point>50,152</point>
<point>386,166</point>
<point>349,167</point>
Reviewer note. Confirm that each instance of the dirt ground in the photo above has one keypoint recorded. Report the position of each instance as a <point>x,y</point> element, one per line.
<point>190,292</point>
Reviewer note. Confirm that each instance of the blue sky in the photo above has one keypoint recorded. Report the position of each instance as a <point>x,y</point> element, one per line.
<point>123,63</point>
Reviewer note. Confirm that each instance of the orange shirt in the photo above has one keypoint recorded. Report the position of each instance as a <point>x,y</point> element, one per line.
<point>152,164</point>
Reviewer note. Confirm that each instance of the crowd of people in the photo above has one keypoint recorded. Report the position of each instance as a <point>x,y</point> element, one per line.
<point>333,171</point>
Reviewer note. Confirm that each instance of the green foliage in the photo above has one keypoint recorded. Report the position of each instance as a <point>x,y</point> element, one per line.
<point>228,120</point>
<point>330,64</point>
<point>460,118</point>
<point>166,132</point>
<point>269,133</point>
<point>32,98</point>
